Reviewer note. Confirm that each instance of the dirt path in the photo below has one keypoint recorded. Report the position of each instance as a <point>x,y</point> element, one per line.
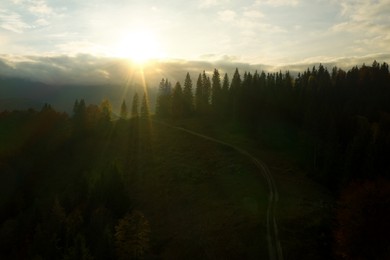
<point>275,251</point>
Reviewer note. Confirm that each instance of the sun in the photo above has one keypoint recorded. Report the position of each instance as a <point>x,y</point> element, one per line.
<point>139,46</point>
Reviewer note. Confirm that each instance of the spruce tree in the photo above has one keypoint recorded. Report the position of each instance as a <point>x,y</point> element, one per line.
<point>188,96</point>
<point>124,111</point>
<point>235,93</point>
<point>225,95</point>
<point>199,94</point>
<point>79,116</point>
<point>206,91</point>
<point>164,99</point>
<point>106,110</point>
<point>177,101</point>
<point>216,92</point>
<point>135,106</point>
<point>145,111</point>
<point>75,108</point>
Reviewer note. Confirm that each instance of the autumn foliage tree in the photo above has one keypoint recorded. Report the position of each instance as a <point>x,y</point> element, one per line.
<point>363,221</point>
<point>132,236</point>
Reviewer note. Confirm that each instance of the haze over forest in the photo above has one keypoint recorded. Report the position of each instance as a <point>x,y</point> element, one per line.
<point>92,41</point>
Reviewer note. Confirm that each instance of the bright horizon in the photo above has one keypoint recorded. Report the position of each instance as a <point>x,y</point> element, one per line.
<point>268,32</point>
<point>63,36</point>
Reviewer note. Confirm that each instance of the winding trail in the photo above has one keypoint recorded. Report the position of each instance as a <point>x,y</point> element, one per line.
<point>275,251</point>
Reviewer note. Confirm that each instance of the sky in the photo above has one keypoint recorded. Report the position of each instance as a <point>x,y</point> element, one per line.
<point>56,38</point>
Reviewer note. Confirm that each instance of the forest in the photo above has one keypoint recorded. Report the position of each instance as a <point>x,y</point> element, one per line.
<point>344,115</point>
<point>90,185</point>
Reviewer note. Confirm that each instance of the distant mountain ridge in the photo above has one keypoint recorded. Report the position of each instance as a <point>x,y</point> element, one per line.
<point>21,94</point>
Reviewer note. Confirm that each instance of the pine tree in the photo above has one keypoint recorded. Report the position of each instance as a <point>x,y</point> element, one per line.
<point>106,110</point>
<point>202,93</point>
<point>75,108</point>
<point>124,112</point>
<point>226,83</point>
<point>164,99</point>
<point>216,97</point>
<point>235,93</point>
<point>225,95</point>
<point>135,106</point>
<point>79,115</point>
<point>199,94</point>
<point>177,101</point>
<point>206,91</point>
<point>188,96</point>
<point>236,81</point>
<point>145,111</point>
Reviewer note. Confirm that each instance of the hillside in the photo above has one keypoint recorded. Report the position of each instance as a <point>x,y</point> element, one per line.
<point>22,94</point>
<point>199,198</point>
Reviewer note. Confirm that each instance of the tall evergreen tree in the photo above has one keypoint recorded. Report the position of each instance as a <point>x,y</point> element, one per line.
<point>105,114</point>
<point>135,106</point>
<point>236,81</point>
<point>75,108</point>
<point>199,94</point>
<point>79,115</point>
<point>206,91</point>
<point>164,99</point>
<point>202,93</point>
<point>225,83</point>
<point>145,110</point>
<point>177,101</point>
<point>188,96</point>
<point>124,111</point>
<point>106,110</point>
<point>235,93</point>
<point>216,92</point>
<point>225,95</point>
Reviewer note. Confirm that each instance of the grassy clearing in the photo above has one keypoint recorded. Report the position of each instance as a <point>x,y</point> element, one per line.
<point>304,211</point>
<point>202,200</point>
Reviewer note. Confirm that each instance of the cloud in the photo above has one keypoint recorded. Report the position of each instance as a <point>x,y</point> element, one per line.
<point>211,3</point>
<point>364,15</point>
<point>12,21</point>
<point>39,7</point>
<point>250,22</point>
<point>329,62</point>
<point>22,15</point>
<point>367,21</point>
<point>253,14</point>
<point>226,15</point>
<point>212,57</point>
<point>277,3</point>
<point>85,69</point>
<point>82,46</point>
<point>55,69</point>
<point>41,22</point>
<point>93,70</point>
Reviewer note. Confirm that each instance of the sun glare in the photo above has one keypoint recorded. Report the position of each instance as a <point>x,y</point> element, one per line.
<point>138,46</point>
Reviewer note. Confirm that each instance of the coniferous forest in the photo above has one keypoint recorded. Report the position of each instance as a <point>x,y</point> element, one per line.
<point>88,185</point>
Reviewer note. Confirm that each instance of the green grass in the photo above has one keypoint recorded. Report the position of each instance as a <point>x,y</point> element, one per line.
<point>203,200</point>
<point>304,210</point>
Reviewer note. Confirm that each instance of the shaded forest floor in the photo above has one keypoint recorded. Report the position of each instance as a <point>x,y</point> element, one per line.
<point>305,208</point>
<point>203,200</point>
